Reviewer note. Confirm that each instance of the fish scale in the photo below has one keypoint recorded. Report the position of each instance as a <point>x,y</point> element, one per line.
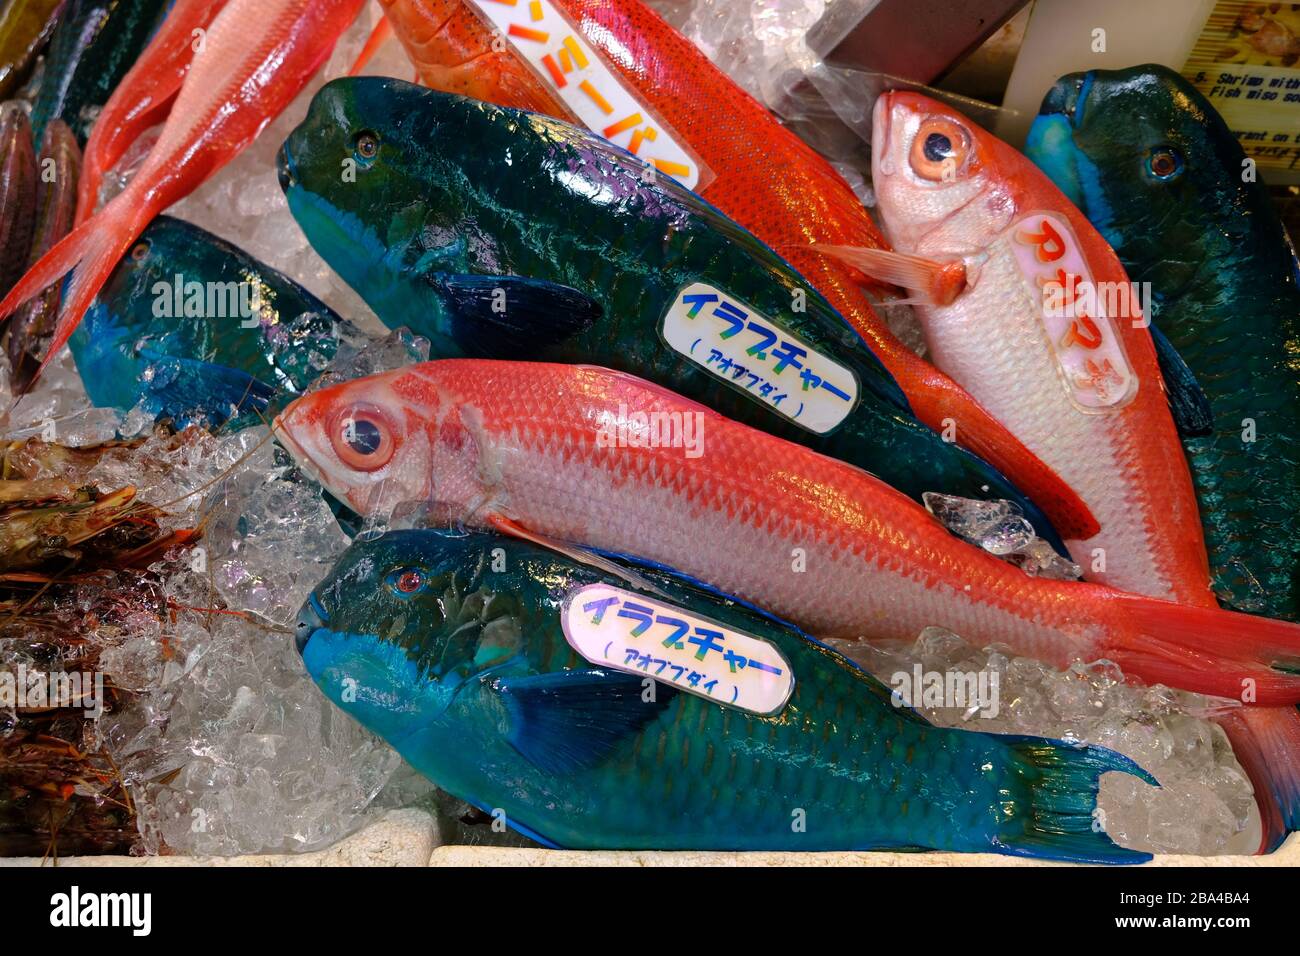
<point>803,203</point>
<point>1224,292</point>
<point>688,773</point>
<point>577,213</point>
<point>529,444</point>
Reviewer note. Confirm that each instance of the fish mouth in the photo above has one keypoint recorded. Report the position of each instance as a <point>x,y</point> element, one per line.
<point>311,619</point>
<point>1051,144</point>
<point>285,170</point>
<point>1067,97</point>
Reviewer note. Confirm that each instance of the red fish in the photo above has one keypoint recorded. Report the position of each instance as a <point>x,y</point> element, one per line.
<point>258,55</point>
<point>584,454</point>
<point>665,101</point>
<point>144,97</point>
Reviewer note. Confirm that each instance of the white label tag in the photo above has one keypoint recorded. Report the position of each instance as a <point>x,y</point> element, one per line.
<point>579,77</point>
<point>1083,336</point>
<point>635,634</point>
<point>749,351</point>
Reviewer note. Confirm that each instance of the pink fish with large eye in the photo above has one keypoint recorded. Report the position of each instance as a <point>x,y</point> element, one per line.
<point>1014,287</point>
<point>586,455</point>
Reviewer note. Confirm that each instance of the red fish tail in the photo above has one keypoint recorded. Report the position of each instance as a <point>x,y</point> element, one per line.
<point>1266,741</point>
<point>90,252</point>
<point>105,151</point>
<point>1207,650</point>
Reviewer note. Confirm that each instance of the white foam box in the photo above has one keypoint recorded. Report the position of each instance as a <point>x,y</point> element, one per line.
<point>410,838</point>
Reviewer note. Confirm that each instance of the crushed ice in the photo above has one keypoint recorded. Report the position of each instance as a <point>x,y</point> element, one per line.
<point>1204,804</point>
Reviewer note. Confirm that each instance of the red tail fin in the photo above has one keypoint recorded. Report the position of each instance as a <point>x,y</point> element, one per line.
<point>92,250</point>
<point>1266,741</point>
<point>378,37</point>
<point>1207,650</point>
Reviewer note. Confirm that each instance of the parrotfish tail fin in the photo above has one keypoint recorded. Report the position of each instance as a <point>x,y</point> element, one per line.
<point>378,37</point>
<point>1266,741</point>
<point>93,250</point>
<point>1058,817</point>
<point>933,282</point>
<point>1188,403</point>
<point>1242,657</point>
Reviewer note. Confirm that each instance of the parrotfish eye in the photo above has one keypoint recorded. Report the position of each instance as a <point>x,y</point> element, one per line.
<point>365,147</point>
<point>406,582</point>
<point>362,438</point>
<point>939,149</point>
<point>1165,163</point>
<point>140,251</point>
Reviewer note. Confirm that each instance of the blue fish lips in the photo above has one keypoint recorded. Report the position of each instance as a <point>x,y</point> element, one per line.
<point>1051,144</point>
<point>311,618</point>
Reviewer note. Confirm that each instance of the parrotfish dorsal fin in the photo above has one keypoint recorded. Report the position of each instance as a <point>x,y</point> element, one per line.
<point>1188,402</point>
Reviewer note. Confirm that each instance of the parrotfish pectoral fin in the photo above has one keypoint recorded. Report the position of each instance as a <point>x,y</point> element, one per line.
<point>933,281</point>
<point>510,317</point>
<point>186,389</point>
<point>1188,402</point>
<point>1059,782</point>
<point>574,552</point>
<point>570,721</point>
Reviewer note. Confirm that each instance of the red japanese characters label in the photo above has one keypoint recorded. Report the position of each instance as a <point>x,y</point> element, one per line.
<point>549,42</point>
<point>1078,317</point>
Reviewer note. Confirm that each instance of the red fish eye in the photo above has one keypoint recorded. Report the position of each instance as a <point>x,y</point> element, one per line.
<point>939,149</point>
<point>408,582</point>
<point>362,438</point>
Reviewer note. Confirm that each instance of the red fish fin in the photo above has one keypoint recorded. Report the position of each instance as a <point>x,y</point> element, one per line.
<point>575,552</point>
<point>1207,650</point>
<point>1266,741</point>
<point>378,37</point>
<point>91,251</point>
<point>941,403</point>
<point>103,154</point>
<point>935,282</point>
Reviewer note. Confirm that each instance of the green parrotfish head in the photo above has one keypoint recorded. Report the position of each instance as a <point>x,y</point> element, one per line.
<point>404,623</point>
<point>376,176</point>
<point>1147,159</point>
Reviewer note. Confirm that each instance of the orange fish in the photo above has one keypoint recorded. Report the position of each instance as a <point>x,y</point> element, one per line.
<point>257,57</point>
<point>617,68</point>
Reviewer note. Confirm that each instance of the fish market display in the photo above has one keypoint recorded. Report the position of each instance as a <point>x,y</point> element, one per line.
<point>145,95</point>
<point>236,87</point>
<point>91,50</point>
<point>189,328</point>
<point>25,28</point>
<point>636,275</point>
<point>56,203</point>
<point>1004,261</point>
<point>524,448</point>
<point>1158,172</point>
<point>523,689</point>
<point>616,67</point>
<point>583,454</point>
